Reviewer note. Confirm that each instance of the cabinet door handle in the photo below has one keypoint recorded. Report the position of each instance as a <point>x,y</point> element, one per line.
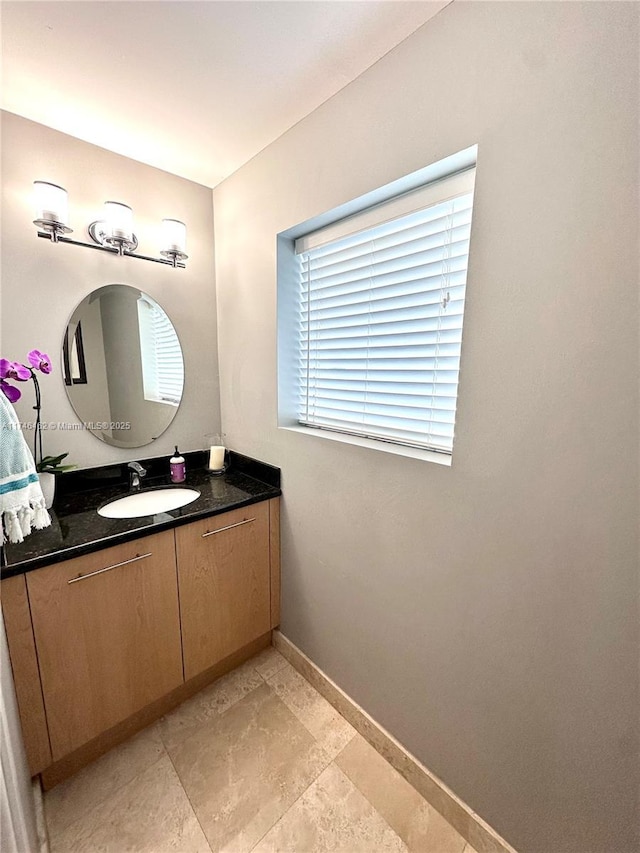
<point>108,568</point>
<point>228,527</point>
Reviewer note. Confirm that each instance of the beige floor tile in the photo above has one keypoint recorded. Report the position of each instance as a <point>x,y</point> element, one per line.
<point>421,828</point>
<point>253,762</point>
<point>74,798</point>
<point>327,726</point>
<point>243,769</point>
<point>331,815</point>
<point>209,703</point>
<point>151,814</point>
<point>268,662</point>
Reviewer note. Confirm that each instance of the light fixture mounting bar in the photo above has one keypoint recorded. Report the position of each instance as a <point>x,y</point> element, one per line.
<point>113,250</point>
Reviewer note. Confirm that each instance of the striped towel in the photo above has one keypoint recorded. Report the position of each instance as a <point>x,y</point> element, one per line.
<point>22,504</point>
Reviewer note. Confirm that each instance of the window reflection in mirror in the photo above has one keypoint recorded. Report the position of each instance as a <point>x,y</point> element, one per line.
<point>123,366</point>
<point>75,371</point>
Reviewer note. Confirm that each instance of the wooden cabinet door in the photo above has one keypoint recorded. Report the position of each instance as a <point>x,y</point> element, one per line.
<point>223,572</point>
<point>107,630</point>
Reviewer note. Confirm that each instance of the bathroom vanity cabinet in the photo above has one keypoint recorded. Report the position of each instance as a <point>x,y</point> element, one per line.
<point>103,644</point>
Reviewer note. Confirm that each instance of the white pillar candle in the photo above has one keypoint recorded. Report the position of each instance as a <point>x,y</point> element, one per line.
<point>216,458</point>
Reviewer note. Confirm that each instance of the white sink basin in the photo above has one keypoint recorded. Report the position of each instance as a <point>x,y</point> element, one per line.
<point>148,503</point>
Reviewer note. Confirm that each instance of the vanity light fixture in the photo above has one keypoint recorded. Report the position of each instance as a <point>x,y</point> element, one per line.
<point>112,234</point>
<point>116,229</point>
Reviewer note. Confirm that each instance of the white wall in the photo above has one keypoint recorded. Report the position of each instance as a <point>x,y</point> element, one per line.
<point>486,614</point>
<point>42,283</point>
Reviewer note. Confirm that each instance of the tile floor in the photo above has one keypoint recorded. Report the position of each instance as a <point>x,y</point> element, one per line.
<point>258,761</point>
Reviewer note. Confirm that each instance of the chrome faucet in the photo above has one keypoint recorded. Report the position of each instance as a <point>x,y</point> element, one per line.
<point>136,473</point>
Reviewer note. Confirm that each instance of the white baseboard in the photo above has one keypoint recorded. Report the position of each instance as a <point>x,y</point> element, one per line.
<point>470,825</point>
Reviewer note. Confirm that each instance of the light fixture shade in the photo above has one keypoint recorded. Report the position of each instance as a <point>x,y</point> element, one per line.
<point>51,203</point>
<point>118,221</point>
<point>174,236</point>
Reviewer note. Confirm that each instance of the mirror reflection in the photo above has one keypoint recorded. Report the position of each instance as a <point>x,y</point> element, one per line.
<point>122,365</point>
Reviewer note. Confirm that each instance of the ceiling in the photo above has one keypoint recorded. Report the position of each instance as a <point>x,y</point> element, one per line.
<point>195,88</point>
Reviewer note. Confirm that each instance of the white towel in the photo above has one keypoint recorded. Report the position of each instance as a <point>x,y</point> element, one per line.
<point>22,504</point>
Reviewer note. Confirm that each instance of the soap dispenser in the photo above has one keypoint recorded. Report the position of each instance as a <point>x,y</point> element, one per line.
<point>177,467</point>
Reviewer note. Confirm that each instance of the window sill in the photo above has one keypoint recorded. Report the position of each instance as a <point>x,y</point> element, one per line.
<point>383,446</point>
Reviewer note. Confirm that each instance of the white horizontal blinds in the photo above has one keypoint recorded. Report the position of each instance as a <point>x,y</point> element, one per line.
<point>162,364</point>
<point>169,361</point>
<point>380,332</point>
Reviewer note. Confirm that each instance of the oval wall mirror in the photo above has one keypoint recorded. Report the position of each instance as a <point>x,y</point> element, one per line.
<point>122,366</point>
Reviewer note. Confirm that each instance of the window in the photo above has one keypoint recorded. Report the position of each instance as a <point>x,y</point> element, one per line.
<point>379,304</point>
<point>161,355</point>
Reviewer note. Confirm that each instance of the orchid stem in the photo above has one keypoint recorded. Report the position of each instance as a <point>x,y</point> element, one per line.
<point>37,439</point>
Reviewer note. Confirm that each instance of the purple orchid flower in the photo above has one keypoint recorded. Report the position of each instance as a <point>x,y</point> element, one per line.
<point>14,370</point>
<point>10,392</point>
<point>39,361</point>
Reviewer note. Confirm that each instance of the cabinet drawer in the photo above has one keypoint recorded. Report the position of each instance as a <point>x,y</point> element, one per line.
<point>224,581</point>
<point>107,632</point>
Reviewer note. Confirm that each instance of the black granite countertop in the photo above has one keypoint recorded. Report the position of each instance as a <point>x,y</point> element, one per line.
<point>76,528</point>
